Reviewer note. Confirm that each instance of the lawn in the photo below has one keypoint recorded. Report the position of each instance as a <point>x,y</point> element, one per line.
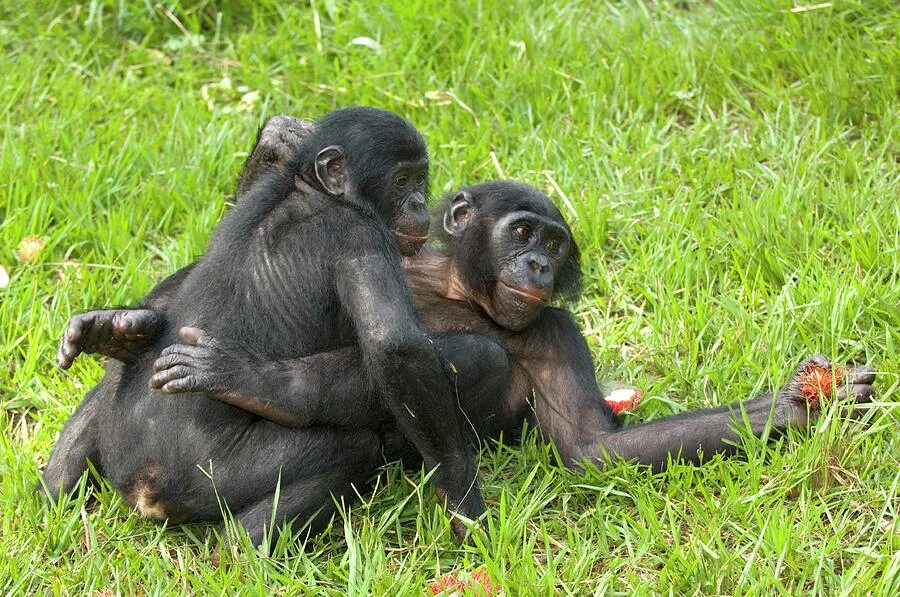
<point>730,171</point>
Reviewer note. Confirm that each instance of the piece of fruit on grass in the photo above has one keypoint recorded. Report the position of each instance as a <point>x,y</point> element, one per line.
<point>622,399</point>
<point>817,381</point>
<point>455,583</point>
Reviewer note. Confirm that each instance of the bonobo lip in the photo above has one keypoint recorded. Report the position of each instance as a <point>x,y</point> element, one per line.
<point>416,238</point>
<point>529,295</point>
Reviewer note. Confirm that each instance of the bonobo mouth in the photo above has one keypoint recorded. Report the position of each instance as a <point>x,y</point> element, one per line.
<point>409,244</point>
<point>532,296</point>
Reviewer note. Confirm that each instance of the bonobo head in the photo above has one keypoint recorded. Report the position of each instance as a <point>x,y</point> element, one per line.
<point>512,250</point>
<point>372,157</point>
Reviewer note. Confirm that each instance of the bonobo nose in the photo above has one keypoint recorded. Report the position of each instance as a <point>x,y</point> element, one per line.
<point>416,201</point>
<point>538,263</point>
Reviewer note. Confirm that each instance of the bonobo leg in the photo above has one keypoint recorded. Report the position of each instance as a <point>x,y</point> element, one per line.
<point>696,435</point>
<point>120,334</point>
<point>309,502</point>
<point>76,446</point>
<point>306,470</point>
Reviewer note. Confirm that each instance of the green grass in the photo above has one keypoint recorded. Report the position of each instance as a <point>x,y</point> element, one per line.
<point>730,170</point>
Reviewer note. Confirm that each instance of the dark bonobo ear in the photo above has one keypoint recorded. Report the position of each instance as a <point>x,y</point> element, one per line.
<point>331,170</point>
<point>458,213</point>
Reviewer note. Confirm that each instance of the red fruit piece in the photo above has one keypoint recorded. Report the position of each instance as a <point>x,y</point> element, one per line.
<point>623,399</point>
<point>816,380</point>
<point>449,582</point>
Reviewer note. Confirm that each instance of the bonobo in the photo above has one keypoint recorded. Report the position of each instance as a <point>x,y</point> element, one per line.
<point>306,262</point>
<point>483,294</point>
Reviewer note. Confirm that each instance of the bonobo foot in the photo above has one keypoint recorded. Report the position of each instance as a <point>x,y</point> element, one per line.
<point>816,378</point>
<point>120,334</point>
<point>199,363</point>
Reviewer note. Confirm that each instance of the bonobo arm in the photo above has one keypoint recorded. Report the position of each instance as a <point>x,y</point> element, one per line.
<point>328,388</point>
<point>121,333</point>
<point>402,364</point>
<point>572,414</point>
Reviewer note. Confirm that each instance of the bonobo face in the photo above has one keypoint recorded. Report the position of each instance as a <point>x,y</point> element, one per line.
<point>511,249</point>
<point>530,250</point>
<point>375,158</point>
<point>406,188</point>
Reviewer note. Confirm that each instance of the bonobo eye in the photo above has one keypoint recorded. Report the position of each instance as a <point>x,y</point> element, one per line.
<point>401,180</point>
<point>420,179</point>
<point>523,231</point>
<point>553,245</point>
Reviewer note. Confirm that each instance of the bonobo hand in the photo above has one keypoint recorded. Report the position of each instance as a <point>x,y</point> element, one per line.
<point>277,143</point>
<point>281,137</point>
<point>200,363</point>
<point>798,401</point>
<point>117,333</point>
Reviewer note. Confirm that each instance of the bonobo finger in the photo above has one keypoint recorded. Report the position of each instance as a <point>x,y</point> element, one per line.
<point>65,355</point>
<point>180,385</point>
<point>68,352</point>
<point>861,375</point>
<point>859,392</point>
<point>158,380</point>
<point>178,354</point>
<point>73,332</point>
<point>195,336</point>
<point>135,323</point>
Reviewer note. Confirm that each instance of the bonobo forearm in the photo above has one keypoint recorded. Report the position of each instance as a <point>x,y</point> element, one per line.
<point>421,402</point>
<point>328,388</point>
<point>403,366</point>
<point>691,436</point>
<point>325,389</point>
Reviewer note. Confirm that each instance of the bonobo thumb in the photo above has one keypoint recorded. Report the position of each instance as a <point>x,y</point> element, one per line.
<point>191,335</point>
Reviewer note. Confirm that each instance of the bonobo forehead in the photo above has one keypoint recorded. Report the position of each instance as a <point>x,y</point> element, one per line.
<point>503,197</point>
<point>548,225</point>
<point>411,166</point>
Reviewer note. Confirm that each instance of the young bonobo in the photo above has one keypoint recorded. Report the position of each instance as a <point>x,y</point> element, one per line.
<point>306,262</point>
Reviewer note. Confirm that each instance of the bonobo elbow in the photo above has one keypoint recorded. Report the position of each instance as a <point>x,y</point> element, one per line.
<point>391,343</point>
